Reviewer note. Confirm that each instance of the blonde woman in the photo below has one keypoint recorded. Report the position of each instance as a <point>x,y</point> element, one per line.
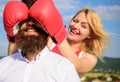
<point>85,42</point>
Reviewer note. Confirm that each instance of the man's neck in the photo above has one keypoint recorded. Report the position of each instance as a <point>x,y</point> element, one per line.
<point>31,56</point>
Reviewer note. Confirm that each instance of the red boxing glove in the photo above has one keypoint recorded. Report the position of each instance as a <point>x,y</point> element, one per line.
<point>46,13</point>
<point>14,12</point>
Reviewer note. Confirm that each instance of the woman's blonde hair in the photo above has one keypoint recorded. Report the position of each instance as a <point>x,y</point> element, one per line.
<point>99,39</point>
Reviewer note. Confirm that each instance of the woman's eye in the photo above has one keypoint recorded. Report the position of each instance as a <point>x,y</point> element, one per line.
<point>83,26</point>
<point>74,20</point>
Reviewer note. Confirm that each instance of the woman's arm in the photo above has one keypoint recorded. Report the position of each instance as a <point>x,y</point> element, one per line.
<point>12,48</point>
<point>84,64</point>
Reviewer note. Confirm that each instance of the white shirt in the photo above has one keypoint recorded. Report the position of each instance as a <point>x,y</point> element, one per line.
<point>47,67</point>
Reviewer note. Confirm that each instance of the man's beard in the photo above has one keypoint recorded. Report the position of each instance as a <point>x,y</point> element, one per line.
<point>32,44</point>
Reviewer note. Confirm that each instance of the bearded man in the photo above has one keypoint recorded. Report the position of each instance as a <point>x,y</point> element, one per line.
<point>34,62</point>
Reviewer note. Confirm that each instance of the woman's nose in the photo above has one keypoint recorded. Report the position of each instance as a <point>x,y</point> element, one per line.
<point>77,26</point>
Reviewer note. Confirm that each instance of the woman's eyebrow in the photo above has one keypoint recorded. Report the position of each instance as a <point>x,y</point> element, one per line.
<point>85,23</point>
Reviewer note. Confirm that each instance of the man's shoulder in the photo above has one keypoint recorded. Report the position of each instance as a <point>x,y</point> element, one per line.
<point>58,59</point>
<point>62,65</point>
<point>52,56</point>
<point>9,58</point>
